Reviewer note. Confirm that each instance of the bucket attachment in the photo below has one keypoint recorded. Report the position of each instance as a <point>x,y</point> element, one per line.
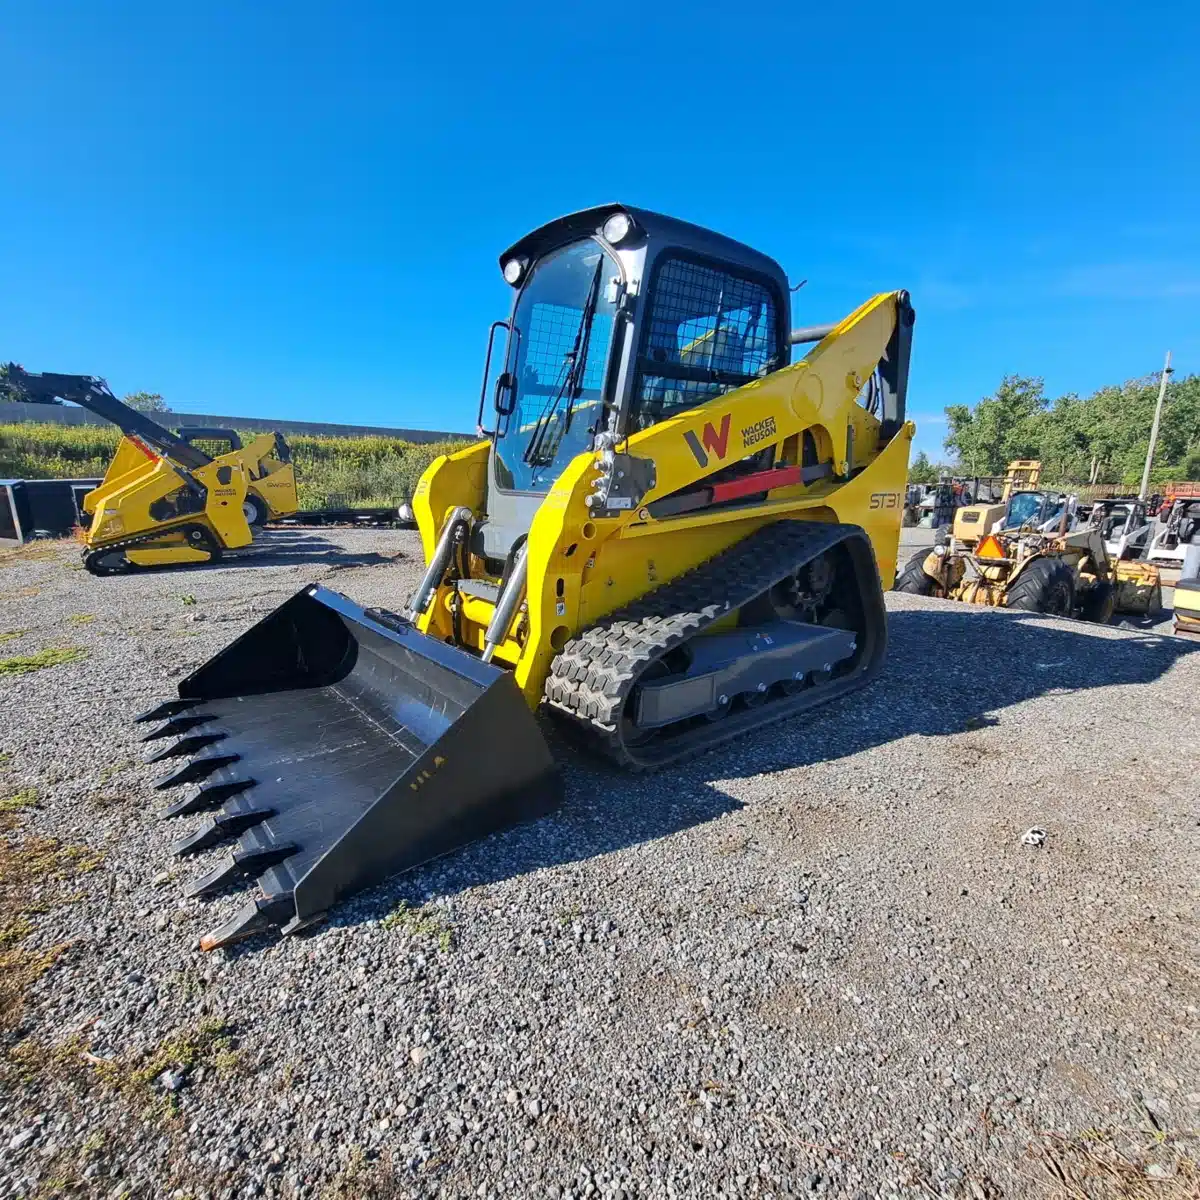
<point>339,746</point>
<point>1139,588</point>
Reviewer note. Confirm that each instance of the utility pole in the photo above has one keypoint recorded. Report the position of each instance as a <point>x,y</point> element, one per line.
<point>1162,391</point>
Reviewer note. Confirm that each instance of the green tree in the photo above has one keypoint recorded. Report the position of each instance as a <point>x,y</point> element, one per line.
<point>1101,438</point>
<point>1001,427</point>
<point>146,402</point>
<point>921,470</point>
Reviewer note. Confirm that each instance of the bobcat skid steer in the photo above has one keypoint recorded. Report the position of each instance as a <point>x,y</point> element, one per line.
<point>671,537</point>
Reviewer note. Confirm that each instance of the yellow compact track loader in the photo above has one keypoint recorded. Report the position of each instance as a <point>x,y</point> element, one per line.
<point>165,501</point>
<point>672,537</point>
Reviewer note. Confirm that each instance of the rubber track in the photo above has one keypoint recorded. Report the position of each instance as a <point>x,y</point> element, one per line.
<point>593,675</point>
<point>92,555</point>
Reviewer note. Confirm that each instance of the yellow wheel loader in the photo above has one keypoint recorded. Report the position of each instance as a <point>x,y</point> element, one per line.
<point>164,500</point>
<point>1029,553</point>
<point>672,536</point>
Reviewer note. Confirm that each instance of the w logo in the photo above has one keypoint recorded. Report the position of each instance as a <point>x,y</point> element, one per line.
<point>709,441</point>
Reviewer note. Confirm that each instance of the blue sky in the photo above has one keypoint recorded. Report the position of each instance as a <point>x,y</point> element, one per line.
<point>295,210</point>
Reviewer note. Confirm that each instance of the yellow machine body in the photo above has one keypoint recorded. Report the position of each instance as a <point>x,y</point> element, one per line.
<point>674,535</point>
<point>154,495</point>
<point>581,569</point>
<point>271,479</point>
<point>195,512</point>
<point>1187,607</point>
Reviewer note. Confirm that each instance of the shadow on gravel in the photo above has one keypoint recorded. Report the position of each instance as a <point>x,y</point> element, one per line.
<point>946,672</point>
<point>950,671</point>
<point>287,547</point>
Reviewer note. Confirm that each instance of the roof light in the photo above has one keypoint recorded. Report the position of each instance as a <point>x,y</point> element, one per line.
<point>617,228</point>
<point>514,269</point>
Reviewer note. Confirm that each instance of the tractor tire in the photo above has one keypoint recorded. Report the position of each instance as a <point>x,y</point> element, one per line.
<point>254,509</point>
<point>1098,603</point>
<point>913,579</point>
<point>1047,586</point>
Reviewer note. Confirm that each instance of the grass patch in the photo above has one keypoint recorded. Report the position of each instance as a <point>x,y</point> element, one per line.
<point>1119,1163</point>
<point>364,1178</point>
<point>330,471</point>
<point>420,923</point>
<point>733,844</point>
<point>187,601</point>
<point>29,552</point>
<point>81,618</point>
<point>12,634</point>
<point>27,866</point>
<point>23,664</point>
<point>26,798</point>
<point>114,769</point>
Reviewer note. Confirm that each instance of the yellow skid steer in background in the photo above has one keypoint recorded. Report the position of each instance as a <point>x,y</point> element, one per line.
<point>164,500</point>
<point>672,537</point>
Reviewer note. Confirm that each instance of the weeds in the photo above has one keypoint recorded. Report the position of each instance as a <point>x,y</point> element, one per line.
<point>115,769</point>
<point>734,843</point>
<point>26,866</point>
<point>23,664</point>
<point>26,798</point>
<point>12,634</point>
<point>207,1043</point>
<point>187,600</point>
<point>420,922</point>
<point>29,552</point>
<point>360,470</point>
<point>81,618</point>
<point>1125,1163</point>
<point>364,1178</point>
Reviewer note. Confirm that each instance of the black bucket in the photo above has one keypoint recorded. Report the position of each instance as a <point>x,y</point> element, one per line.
<point>341,746</point>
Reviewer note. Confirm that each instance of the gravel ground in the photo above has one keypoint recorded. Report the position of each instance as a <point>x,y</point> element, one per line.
<point>823,962</point>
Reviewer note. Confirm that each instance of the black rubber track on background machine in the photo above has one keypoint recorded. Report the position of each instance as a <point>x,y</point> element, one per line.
<point>593,676</point>
<point>94,558</point>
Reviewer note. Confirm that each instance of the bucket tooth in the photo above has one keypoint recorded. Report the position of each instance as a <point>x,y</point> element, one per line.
<point>194,769</point>
<point>176,725</point>
<point>258,916</point>
<point>219,827</point>
<point>362,749</point>
<point>191,744</point>
<point>207,795</point>
<point>168,708</point>
<point>235,865</point>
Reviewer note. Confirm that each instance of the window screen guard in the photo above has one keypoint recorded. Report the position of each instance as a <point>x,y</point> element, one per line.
<point>709,330</point>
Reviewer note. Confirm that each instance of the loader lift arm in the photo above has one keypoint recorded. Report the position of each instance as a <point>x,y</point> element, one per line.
<point>94,394</point>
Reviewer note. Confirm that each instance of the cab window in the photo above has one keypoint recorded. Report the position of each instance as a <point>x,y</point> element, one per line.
<point>709,330</point>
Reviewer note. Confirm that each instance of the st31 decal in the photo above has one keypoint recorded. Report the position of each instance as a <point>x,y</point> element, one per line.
<point>885,500</point>
<point>710,441</point>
